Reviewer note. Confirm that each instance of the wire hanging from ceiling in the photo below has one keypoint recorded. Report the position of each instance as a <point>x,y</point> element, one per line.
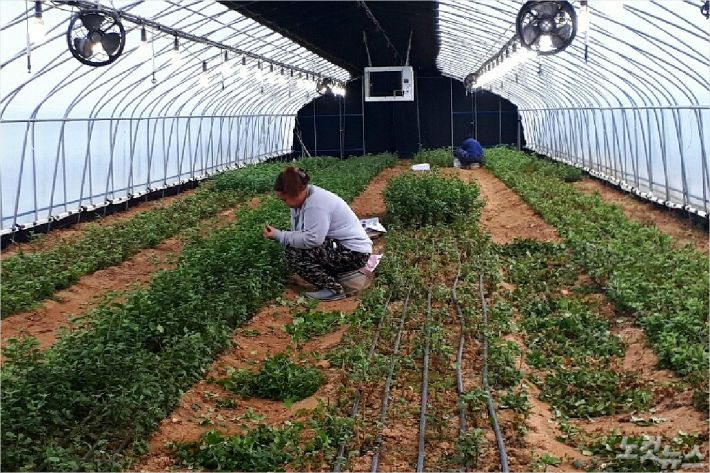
<point>372,18</point>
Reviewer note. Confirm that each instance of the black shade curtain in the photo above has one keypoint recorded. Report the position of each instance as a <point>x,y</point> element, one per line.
<point>441,115</point>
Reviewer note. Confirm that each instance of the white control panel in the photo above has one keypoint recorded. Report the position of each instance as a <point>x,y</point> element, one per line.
<point>389,84</point>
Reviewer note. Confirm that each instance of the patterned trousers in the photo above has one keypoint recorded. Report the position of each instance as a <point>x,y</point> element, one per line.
<point>320,266</point>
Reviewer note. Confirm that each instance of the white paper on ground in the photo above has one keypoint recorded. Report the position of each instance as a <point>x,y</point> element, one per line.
<point>421,167</point>
<point>372,264</point>
<point>373,224</point>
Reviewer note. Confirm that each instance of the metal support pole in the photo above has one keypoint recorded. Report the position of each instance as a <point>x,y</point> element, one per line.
<point>419,123</point>
<point>649,155</point>
<point>475,112</point>
<point>34,173</point>
<point>362,111</point>
<point>500,121</point>
<point>704,159</point>
<point>342,130</point>
<point>518,134</point>
<point>683,172</point>
<point>315,131</point>
<point>451,109</point>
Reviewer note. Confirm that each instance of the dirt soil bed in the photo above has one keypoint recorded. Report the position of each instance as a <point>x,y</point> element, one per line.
<point>646,213</point>
<point>506,216</point>
<point>45,322</point>
<point>198,411</point>
<point>61,235</point>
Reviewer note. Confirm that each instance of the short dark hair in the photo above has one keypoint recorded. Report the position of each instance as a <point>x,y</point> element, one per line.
<point>291,181</point>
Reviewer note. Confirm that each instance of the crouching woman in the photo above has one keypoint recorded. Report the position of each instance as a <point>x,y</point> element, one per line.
<point>326,238</point>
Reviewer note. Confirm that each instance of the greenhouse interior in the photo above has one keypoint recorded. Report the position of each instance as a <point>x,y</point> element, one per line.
<point>453,235</point>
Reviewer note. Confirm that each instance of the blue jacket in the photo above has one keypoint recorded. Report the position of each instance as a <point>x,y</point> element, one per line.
<point>472,147</point>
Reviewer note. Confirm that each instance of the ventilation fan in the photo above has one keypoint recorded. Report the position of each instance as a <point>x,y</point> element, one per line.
<point>546,27</point>
<point>470,81</point>
<point>96,37</point>
<point>324,86</point>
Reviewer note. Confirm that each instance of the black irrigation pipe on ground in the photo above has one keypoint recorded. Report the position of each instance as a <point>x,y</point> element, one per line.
<point>459,355</point>
<point>388,385</point>
<point>356,399</point>
<point>484,377</point>
<point>425,389</point>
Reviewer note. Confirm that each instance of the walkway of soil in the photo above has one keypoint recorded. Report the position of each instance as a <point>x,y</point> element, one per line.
<point>506,216</point>
<point>45,322</point>
<point>61,235</point>
<point>198,411</point>
<point>646,213</point>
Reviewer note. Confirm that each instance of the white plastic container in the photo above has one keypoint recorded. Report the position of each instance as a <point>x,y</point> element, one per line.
<point>421,167</point>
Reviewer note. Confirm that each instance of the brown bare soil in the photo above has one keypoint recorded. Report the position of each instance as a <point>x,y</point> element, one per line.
<point>45,322</point>
<point>370,203</point>
<point>646,213</point>
<point>63,235</point>
<point>264,336</point>
<point>543,431</point>
<point>198,411</point>
<point>505,216</point>
<point>673,400</point>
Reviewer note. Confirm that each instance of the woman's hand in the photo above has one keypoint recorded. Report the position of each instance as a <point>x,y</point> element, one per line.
<point>269,232</point>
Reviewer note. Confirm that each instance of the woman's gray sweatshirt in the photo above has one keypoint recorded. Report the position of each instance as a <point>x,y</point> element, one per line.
<point>324,214</point>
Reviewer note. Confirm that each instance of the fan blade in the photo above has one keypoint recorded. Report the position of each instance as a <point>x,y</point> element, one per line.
<point>111,42</point>
<point>530,34</point>
<point>564,32</point>
<point>92,21</point>
<point>83,47</point>
<point>557,41</point>
<point>547,8</point>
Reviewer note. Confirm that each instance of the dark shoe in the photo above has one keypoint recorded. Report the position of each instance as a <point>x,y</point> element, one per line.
<point>326,294</point>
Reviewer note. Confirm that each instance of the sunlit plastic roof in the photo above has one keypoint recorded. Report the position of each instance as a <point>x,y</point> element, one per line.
<point>59,85</point>
<point>635,112</point>
<point>77,137</point>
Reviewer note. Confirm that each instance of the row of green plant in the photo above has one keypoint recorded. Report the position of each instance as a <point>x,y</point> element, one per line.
<point>566,336</point>
<point>299,445</point>
<point>419,199</point>
<point>325,172</point>
<point>634,453</point>
<point>101,391</point>
<point>569,340</point>
<point>438,157</point>
<point>419,257</point>
<point>312,323</point>
<point>279,379</point>
<point>260,178</point>
<point>664,287</point>
<point>90,401</point>
<point>30,278</point>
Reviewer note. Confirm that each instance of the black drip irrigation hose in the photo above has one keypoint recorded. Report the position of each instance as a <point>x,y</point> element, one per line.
<point>484,376</point>
<point>388,385</point>
<point>340,457</point>
<point>459,356</point>
<point>425,389</point>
